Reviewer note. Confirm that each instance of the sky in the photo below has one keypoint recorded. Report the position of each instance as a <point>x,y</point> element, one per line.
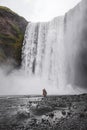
<point>39,10</point>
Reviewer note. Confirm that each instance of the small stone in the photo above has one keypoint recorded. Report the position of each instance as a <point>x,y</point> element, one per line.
<point>63,112</point>
<point>51,115</point>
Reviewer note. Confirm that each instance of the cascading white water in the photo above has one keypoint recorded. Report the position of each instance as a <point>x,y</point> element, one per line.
<point>43,52</point>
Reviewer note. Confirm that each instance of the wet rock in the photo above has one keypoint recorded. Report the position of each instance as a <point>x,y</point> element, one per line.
<point>82,115</point>
<point>51,115</point>
<point>34,105</point>
<point>23,113</point>
<point>68,113</point>
<point>41,109</point>
<point>33,122</point>
<point>75,107</point>
<point>44,118</point>
<point>63,112</point>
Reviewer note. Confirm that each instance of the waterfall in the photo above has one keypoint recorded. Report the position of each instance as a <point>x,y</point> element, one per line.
<point>43,52</point>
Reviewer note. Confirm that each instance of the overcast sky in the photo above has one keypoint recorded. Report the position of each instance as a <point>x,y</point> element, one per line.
<point>39,10</point>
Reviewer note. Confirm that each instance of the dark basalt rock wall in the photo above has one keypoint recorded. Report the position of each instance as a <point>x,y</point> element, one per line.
<point>12,29</point>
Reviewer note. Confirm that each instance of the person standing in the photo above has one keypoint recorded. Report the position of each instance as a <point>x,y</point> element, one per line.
<point>44,92</point>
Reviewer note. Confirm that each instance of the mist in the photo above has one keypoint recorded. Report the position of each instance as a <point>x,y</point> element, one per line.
<point>18,83</point>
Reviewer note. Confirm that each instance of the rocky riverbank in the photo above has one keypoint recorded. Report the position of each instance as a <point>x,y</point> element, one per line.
<point>38,113</point>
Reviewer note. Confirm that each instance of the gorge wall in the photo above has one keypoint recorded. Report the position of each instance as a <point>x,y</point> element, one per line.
<point>12,29</point>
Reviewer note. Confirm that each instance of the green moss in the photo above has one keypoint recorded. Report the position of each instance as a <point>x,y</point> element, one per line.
<point>15,28</point>
<point>7,38</point>
<point>11,35</point>
<point>14,42</point>
<point>7,9</point>
<point>17,47</point>
<point>2,56</point>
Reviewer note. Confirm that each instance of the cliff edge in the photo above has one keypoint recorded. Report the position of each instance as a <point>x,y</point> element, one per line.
<point>12,29</point>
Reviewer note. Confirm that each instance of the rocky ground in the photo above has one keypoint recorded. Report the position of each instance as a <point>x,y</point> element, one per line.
<point>38,113</point>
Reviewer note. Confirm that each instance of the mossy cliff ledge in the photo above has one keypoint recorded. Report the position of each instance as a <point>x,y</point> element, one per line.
<point>12,29</point>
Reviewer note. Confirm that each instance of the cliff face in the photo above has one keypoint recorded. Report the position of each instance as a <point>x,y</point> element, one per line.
<point>12,29</point>
<point>76,42</point>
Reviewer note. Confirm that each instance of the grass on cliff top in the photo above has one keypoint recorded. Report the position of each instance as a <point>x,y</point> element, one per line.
<point>7,10</point>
